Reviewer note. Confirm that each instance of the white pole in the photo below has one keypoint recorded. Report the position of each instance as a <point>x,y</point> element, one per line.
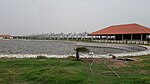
<point>141,36</point>
<point>131,37</point>
<point>114,37</point>
<point>122,37</point>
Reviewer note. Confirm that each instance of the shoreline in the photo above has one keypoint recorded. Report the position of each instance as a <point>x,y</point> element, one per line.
<point>130,50</point>
<point>138,53</point>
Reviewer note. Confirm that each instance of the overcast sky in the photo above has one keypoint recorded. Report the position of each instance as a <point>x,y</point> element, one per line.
<point>21,17</point>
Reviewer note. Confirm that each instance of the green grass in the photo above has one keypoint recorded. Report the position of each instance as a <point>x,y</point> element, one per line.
<point>67,71</point>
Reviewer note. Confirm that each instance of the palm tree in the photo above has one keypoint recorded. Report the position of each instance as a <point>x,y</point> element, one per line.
<point>80,49</point>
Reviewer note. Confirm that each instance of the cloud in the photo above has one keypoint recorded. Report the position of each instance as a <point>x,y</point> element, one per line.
<point>32,16</point>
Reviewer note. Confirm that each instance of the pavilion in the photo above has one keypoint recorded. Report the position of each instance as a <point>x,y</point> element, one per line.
<point>123,32</point>
<point>6,36</point>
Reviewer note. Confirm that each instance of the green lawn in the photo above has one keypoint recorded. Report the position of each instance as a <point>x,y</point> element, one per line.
<point>67,71</point>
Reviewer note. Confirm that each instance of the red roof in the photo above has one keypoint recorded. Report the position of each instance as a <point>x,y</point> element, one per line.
<point>6,36</point>
<point>123,29</point>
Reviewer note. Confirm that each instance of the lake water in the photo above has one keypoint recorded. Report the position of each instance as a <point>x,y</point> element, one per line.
<point>60,47</point>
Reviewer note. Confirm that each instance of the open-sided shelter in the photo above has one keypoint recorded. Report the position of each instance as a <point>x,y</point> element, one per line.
<point>123,32</point>
<point>6,36</point>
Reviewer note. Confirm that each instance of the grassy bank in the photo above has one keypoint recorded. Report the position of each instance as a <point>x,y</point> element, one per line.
<point>67,71</point>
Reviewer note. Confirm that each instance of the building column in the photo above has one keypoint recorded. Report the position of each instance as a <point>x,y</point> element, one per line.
<point>106,37</point>
<point>141,36</point>
<point>91,37</point>
<point>131,37</point>
<point>122,37</point>
<point>148,39</point>
<point>146,36</point>
<point>114,37</point>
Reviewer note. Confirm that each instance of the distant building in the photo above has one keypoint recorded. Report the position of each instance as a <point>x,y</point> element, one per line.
<point>123,32</point>
<point>6,37</point>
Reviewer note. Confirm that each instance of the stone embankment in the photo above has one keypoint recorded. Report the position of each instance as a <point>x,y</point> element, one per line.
<point>63,49</point>
<point>138,53</point>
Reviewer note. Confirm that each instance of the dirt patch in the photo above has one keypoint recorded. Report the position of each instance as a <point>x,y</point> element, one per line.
<point>143,72</point>
<point>89,60</point>
<point>118,64</point>
<point>110,62</point>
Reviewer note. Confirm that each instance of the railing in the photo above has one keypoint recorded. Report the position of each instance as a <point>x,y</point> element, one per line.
<point>123,41</point>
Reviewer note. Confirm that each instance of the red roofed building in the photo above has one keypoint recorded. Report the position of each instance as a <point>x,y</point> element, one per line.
<point>6,37</point>
<point>123,32</point>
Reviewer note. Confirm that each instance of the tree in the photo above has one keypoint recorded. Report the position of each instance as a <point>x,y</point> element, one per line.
<point>80,49</point>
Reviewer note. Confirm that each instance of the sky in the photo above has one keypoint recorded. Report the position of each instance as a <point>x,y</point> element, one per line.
<point>24,17</point>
